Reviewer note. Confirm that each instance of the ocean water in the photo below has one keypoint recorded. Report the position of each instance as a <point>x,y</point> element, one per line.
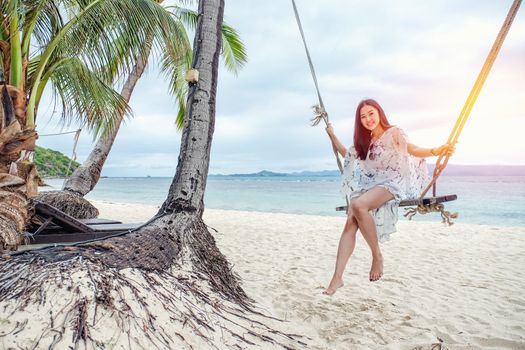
<point>481,199</point>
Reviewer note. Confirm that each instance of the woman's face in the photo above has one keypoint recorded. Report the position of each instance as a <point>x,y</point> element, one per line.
<point>369,117</point>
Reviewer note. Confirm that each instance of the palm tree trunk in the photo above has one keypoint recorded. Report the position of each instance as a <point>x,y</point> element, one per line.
<point>18,180</point>
<point>187,189</point>
<point>86,176</point>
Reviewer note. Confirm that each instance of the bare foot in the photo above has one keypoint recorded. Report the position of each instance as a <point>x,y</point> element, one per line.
<point>376,271</point>
<point>334,285</point>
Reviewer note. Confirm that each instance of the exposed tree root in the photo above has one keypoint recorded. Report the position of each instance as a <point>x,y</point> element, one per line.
<point>153,288</point>
<point>70,203</point>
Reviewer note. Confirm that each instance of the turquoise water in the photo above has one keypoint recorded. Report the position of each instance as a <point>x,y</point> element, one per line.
<point>481,199</point>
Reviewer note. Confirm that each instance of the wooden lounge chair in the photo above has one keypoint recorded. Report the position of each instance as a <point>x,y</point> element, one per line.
<point>59,227</point>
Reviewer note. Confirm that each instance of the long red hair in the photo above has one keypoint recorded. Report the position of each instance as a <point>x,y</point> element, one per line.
<point>362,136</point>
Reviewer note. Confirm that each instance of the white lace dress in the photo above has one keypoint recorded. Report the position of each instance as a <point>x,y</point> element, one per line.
<point>388,165</point>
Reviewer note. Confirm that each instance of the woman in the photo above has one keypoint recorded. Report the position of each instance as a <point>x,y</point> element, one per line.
<point>381,169</point>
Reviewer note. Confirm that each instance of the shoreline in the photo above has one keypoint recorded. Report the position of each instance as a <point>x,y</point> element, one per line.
<point>504,207</point>
<point>146,209</point>
<point>460,284</point>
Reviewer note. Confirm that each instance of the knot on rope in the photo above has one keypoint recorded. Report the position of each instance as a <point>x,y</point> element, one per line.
<point>431,208</point>
<point>319,114</point>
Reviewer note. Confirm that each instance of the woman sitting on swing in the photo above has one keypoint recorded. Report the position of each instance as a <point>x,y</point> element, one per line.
<point>380,170</point>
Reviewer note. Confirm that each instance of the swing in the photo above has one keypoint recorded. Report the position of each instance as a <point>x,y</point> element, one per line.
<point>424,205</point>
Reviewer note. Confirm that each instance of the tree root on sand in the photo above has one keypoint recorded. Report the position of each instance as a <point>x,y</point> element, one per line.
<point>165,285</point>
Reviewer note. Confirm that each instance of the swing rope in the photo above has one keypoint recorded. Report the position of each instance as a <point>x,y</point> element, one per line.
<point>319,111</point>
<point>61,133</point>
<point>434,205</point>
<point>442,161</point>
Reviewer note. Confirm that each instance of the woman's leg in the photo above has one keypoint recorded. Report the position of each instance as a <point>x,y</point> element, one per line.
<point>345,249</point>
<point>372,199</point>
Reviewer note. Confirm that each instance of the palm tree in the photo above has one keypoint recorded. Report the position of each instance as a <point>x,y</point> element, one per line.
<point>77,47</point>
<point>70,200</point>
<point>171,263</point>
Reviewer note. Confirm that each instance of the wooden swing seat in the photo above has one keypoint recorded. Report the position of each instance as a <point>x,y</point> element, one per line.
<point>416,202</point>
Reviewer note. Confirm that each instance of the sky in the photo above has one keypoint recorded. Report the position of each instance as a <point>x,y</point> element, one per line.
<point>418,59</point>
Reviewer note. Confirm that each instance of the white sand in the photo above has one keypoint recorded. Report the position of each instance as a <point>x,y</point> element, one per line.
<point>462,284</point>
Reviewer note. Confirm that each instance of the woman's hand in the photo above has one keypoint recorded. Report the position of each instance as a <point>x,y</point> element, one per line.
<point>446,149</point>
<point>341,149</point>
<point>330,129</point>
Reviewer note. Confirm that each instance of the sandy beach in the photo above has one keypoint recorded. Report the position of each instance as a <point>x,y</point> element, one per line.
<point>461,286</point>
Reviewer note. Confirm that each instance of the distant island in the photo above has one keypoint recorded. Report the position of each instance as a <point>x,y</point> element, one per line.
<point>53,164</point>
<point>450,170</point>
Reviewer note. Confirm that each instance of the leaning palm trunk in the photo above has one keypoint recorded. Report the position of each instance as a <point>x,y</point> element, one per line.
<point>71,199</point>
<point>164,285</point>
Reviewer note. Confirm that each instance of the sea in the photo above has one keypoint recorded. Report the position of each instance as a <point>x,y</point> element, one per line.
<point>488,200</point>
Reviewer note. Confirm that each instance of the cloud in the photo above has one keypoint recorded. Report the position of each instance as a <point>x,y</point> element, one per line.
<point>233,129</point>
<point>419,59</point>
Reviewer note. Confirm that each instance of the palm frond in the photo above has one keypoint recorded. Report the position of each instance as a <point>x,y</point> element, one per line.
<point>233,49</point>
<point>181,102</point>
<point>175,68</point>
<point>85,98</point>
<point>31,69</point>
<point>92,34</point>
<point>48,23</point>
<point>110,34</point>
<point>187,16</point>
<point>188,2</point>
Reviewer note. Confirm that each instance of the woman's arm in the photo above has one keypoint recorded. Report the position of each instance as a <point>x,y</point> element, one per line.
<point>338,145</point>
<point>429,152</point>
